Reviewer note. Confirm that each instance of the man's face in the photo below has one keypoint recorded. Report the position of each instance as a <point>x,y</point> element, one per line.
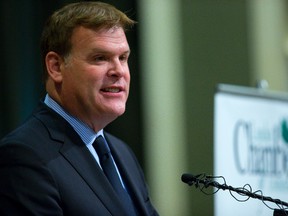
<point>96,78</point>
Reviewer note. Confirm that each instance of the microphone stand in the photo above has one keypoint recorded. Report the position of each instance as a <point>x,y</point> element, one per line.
<point>191,179</point>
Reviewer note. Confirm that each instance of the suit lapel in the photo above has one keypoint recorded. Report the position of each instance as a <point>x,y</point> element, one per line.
<point>127,175</point>
<point>78,155</point>
<point>86,166</point>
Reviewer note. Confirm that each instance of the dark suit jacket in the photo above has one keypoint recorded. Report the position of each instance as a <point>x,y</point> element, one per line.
<point>46,169</point>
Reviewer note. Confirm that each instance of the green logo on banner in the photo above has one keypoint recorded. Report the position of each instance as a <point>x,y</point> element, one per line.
<point>284,131</point>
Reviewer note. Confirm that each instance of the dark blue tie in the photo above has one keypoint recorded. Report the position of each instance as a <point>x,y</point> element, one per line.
<point>110,171</point>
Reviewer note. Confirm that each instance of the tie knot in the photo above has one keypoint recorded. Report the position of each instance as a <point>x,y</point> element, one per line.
<point>101,146</point>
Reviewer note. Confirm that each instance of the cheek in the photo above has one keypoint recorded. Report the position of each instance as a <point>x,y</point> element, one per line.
<point>128,78</point>
<point>76,85</point>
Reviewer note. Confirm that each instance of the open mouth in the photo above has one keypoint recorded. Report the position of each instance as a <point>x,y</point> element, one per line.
<point>112,90</point>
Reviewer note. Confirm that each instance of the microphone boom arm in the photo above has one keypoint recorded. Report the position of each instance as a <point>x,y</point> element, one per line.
<point>206,182</point>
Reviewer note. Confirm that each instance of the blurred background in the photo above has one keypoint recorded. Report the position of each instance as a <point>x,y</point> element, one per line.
<point>181,49</point>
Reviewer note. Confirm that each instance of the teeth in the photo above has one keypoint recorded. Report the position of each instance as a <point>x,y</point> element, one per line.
<point>113,90</point>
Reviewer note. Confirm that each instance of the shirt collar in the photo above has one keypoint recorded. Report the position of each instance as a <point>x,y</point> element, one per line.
<point>82,129</point>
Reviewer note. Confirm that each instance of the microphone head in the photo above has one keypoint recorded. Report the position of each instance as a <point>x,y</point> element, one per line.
<point>188,178</point>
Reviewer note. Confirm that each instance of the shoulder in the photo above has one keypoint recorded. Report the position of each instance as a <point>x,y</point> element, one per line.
<point>38,135</point>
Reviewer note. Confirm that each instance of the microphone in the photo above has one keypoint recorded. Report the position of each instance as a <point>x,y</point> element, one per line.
<point>189,178</point>
<point>197,179</point>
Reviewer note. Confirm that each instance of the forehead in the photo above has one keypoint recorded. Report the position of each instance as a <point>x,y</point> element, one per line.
<point>83,37</point>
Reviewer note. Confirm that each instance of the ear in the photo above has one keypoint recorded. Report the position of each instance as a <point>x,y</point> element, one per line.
<point>53,65</point>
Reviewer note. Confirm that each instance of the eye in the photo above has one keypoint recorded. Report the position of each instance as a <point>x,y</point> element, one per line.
<point>124,57</point>
<point>99,58</point>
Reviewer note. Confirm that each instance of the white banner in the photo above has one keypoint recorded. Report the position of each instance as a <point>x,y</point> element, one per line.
<point>250,147</point>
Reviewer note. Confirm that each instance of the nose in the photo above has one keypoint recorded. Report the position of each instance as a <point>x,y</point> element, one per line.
<point>117,68</point>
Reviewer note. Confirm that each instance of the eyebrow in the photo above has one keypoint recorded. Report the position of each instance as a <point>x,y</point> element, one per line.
<point>99,50</point>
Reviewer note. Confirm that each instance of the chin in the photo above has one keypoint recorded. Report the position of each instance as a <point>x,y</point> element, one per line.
<point>120,111</point>
<point>116,110</point>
